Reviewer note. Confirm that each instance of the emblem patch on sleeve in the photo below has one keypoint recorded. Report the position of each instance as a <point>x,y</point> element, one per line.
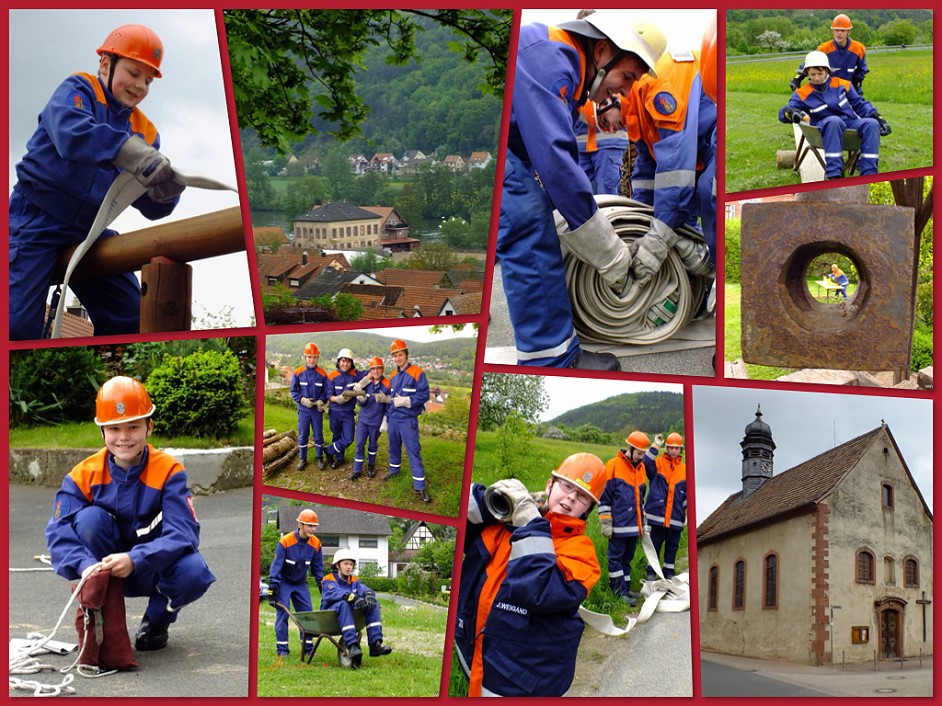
<point>79,102</point>
<point>665,103</point>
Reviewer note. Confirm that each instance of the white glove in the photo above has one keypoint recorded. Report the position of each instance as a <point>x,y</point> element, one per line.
<point>320,405</point>
<point>307,402</point>
<point>361,384</point>
<point>402,402</point>
<point>512,488</point>
<point>659,440</point>
<point>651,250</point>
<point>144,161</point>
<point>383,427</point>
<point>523,506</point>
<point>339,399</point>
<point>525,510</point>
<point>596,243</point>
<point>607,528</point>
<point>382,397</point>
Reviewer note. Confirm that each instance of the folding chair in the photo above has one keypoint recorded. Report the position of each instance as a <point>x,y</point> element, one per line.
<point>811,142</point>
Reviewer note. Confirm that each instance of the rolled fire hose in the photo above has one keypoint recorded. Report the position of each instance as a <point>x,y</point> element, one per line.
<point>639,315</point>
<point>124,191</point>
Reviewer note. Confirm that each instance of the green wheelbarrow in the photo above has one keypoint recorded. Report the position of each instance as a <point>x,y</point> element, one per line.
<point>320,625</point>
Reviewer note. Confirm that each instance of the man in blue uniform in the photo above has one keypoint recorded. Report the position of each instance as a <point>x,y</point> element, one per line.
<point>309,388</point>
<point>409,391</point>
<point>558,70</point>
<point>665,508</point>
<point>342,592</point>
<point>127,509</point>
<point>374,405</point>
<point>89,131</point>
<point>833,106</point>
<point>298,554</point>
<point>342,407</point>
<point>847,57</point>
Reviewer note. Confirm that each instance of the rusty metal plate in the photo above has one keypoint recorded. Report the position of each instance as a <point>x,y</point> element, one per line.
<point>783,325</point>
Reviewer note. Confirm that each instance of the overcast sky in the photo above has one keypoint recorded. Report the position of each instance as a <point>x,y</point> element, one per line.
<point>188,106</point>
<point>803,424</point>
<point>571,393</point>
<point>684,28</point>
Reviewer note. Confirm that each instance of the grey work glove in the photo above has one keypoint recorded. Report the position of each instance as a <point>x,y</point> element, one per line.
<point>524,507</point>
<point>320,405</point>
<point>307,402</point>
<point>651,250</point>
<point>339,399</point>
<point>596,243</point>
<point>402,402</point>
<point>349,394</point>
<point>606,525</point>
<point>362,383</point>
<point>144,162</point>
<point>525,510</point>
<point>382,397</point>
<point>166,191</point>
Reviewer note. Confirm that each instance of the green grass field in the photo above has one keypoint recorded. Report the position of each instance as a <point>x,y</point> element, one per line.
<point>899,85</point>
<point>732,336</point>
<point>414,668</point>
<point>443,459</point>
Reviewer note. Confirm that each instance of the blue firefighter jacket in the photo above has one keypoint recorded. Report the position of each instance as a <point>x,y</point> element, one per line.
<point>151,505</point>
<point>666,504</point>
<point>623,496</point>
<point>68,166</point>
<point>371,410</point>
<point>848,62</point>
<point>836,97</point>
<point>408,382</point>
<point>336,589</point>
<point>309,382</point>
<point>337,382</point>
<point>295,559</point>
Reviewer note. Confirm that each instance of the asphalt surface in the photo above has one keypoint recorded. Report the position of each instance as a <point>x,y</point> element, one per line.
<point>693,361</point>
<point>208,653</point>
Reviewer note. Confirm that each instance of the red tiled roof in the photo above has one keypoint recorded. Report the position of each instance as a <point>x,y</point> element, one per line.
<point>421,278</point>
<point>74,326</point>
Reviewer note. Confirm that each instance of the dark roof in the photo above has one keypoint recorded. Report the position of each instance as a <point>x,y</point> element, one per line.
<point>327,281</point>
<point>336,520</point>
<point>413,528</point>
<point>790,493</point>
<point>333,212</point>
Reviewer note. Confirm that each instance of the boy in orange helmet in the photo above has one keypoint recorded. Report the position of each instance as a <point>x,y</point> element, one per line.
<point>127,510</point>
<point>309,390</point>
<point>523,578</point>
<point>666,504</point>
<point>374,406</point>
<point>408,392</point>
<point>88,133</point>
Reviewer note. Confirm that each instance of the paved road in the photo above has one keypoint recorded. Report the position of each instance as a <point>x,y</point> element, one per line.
<point>721,680</point>
<point>208,654</point>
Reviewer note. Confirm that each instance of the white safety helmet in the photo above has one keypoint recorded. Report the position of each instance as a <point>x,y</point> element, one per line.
<point>342,554</point>
<point>345,353</point>
<point>817,59</point>
<point>644,39</point>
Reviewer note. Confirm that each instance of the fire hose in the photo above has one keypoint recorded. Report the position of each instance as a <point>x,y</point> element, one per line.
<point>124,191</point>
<point>645,314</point>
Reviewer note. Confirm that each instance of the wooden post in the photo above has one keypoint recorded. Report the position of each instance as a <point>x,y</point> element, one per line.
<point>166,295</point>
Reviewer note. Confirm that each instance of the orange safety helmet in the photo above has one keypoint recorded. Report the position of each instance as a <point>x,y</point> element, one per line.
<point>586,471</point>
<point>674,439</point>
<point>376,362</point>
<point>398,345</point>
<point>308,517</point>
<point>135,42</point>
<point>312,349</point>
<point>841,22</point>
<point>708,59</point>
<point>638,440</point>
<point>122,399</point>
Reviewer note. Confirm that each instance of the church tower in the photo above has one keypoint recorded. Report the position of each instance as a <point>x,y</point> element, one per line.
<point>757,452</point>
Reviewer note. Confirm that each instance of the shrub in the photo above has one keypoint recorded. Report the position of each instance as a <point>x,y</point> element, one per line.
<point>922,348</point>
<point>54,385</point>
<point>731,254</point>
<point>270,537</point>
<point>199,395</point>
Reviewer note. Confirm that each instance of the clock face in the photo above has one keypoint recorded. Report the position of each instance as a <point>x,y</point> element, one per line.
<point>766,465</point>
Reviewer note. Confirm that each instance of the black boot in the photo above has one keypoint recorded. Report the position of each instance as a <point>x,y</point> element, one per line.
<point>354,475</point>
<point>337,462</point>
<point>355,654</point>
<point>371,471</point>
<point>587,360</point>
<point>320,463</point>
<point>150,636</point>
<point>302,464</point>
<point>388,476</point>
<point>378,649</point>
<point>424,496</point>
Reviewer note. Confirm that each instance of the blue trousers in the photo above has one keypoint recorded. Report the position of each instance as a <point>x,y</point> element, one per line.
<point>341,431</point>
<point>36,241</point>
<point>621,550</point>
<point>374,628</point>
<point>661,536</point>
<point>405,431</point>
<point>603,167</point>
<point>366,432</point>
<point>310,420</point>
<point>288,594</point>
<point>832,134</point>
<point>532,271</point>
<point>179,584</point>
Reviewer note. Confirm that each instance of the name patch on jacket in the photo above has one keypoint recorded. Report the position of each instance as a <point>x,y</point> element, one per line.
<point>665,103</point>
<point>512,608</point>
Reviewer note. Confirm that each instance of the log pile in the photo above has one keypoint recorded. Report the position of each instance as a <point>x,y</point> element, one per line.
<point>278,450</point>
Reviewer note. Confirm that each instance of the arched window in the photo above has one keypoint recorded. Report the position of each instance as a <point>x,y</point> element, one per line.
<point>739,585</point>
<point>865,566</point>
<point>770,577</point>
<point>714,582</point>
<point>910,572</point>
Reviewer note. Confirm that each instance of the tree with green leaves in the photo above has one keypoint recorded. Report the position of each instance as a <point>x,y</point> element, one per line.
<point>292,65</point>
<point>502,394</point>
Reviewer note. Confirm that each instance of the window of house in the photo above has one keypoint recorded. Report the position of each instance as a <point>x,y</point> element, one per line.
<point>711,592</point>
<point>367,543</point>
<point>864,566</point>
<point>770,594</point>
<point>330,540</point>
<point>887,496</point>
<point>272,281</point>
<point>910,571</point>
<point>889,571</point>
<point>295,282</point>
<point>739,585</point>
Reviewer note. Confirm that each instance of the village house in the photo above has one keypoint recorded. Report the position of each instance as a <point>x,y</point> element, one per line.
<point>338,226</point>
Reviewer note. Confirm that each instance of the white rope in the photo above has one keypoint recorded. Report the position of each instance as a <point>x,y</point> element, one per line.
<point>661,596</point>
<point>639,315</point>
<point>23,657</point>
